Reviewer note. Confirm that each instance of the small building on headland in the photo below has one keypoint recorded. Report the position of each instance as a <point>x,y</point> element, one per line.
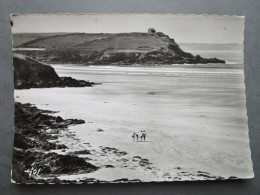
<point>151,31</point>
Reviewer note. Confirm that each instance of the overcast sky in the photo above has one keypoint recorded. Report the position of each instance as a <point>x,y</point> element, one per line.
<point>182,28</point>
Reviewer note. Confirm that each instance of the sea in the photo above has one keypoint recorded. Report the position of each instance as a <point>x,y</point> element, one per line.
<point>194,116</point>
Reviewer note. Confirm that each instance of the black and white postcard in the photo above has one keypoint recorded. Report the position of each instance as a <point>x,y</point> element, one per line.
<point>120,98</point>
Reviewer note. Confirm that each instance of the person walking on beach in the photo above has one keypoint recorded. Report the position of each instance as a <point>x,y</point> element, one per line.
<point>136,137</point>
<point>144,135</point>
<point>133,136</point>
<point>141,135</point>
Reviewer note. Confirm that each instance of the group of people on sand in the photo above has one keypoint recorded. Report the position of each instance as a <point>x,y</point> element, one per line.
<point>141,136</point>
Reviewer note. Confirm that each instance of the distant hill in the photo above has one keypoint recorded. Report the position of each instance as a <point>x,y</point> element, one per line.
<point>107,49</point>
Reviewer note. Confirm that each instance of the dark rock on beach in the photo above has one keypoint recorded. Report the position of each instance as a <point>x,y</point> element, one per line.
<point>33,130</point>
<point>100,130</point>
<point>48,164</point>
<point>32,120</point>
<point>126,180</point>
<point>82,152</point>
<point>109,166</point>
<point>29,73</point>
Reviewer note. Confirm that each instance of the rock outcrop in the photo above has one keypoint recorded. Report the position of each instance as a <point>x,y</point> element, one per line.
<point>34,128</point>
<point>29,73</point>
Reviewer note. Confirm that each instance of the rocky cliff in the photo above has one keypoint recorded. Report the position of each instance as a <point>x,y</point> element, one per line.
<point>29,73</point>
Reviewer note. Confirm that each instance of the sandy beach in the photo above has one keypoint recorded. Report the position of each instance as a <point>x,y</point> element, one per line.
<point>195,119</point>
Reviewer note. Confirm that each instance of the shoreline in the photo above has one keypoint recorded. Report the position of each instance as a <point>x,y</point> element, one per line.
<point>230,65</point>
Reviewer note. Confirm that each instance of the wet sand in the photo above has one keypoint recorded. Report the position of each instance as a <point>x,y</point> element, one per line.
<point>195,120</point>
